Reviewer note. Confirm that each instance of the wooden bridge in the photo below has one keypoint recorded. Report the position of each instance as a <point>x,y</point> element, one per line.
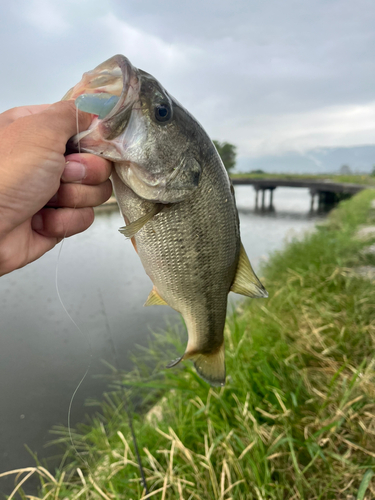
<point>327,191</point>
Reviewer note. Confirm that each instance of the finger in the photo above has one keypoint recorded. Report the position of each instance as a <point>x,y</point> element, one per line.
<point>80,195</point>
<point>55,125</point>
<point>66,117</point>
<point>13,114</point>
<point>86,168</point>
<point>62,222</point>
<point>22,246</point>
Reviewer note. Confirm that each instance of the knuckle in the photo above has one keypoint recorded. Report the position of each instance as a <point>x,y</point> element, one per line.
<point>71,195</point>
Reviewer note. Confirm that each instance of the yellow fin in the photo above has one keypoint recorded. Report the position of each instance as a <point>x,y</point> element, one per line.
<point>210,366</point>
<point>246,281</point>
<point>131,229</point>
<point>154,299</point>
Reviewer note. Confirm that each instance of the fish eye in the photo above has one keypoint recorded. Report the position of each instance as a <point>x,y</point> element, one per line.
<point>162,112</point>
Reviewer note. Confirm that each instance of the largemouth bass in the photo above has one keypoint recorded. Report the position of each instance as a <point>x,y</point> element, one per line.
<point>176,199</point>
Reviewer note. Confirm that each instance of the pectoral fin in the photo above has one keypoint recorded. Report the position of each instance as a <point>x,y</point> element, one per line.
<point>154,299</point>
<point>245,281</point>
<point>131,229</point>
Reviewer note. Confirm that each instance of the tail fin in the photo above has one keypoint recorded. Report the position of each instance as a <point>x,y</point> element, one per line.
<point>210,367</point>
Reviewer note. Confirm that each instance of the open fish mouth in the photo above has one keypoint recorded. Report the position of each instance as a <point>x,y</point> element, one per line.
<point>108,92</point>
<point>133,126</point>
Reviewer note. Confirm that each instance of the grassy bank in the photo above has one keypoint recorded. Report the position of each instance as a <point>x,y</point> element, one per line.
<point>366,180</point>
<point>296,418</point>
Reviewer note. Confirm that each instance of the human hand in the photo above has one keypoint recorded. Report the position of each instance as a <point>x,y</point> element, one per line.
<point>45,196</point>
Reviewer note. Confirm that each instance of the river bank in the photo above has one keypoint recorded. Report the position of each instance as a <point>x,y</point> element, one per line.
<point>296,418</point>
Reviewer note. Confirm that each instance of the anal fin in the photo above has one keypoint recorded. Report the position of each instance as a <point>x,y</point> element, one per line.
<point>154,299</point>
<point>246,282</point>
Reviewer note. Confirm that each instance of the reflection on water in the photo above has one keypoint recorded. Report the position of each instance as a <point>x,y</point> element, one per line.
<point>263,232</point>
<point>103,286</point>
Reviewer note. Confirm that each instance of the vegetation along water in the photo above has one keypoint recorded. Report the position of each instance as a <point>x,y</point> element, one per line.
<point>296,418</point>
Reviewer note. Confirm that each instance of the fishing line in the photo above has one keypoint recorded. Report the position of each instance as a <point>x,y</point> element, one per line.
<point>126,401</point>
<point>90,357</point>
<point>85,335</point>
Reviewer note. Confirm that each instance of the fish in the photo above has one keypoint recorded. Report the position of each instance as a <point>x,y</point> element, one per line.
<point>176,199</point>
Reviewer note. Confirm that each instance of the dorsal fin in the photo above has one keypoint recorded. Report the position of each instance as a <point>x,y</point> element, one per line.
<point>131,229</point>
<point>154,299</point>
<point>246,282</point>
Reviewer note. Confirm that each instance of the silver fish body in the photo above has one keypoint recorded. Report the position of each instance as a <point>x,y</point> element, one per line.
<point>178,204</point>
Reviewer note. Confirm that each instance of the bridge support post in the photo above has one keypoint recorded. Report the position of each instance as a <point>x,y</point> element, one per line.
<point>321,200</point>
<point>271,198</point>
<point>313,194</point>
<point>327,193</point>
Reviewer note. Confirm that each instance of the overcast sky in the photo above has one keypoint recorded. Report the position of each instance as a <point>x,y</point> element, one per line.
<point>270,76</point>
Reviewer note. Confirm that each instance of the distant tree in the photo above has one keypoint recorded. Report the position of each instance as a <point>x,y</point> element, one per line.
<point>345,170</point>
<point>373,171</point>
<point>227,153</point>
<point>259,171</point>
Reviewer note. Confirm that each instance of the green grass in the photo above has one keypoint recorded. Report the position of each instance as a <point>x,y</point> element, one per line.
<point>296,419</point>
<point>366,180</point>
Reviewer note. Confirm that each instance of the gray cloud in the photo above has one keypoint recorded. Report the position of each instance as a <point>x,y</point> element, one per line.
<point>268,76</point>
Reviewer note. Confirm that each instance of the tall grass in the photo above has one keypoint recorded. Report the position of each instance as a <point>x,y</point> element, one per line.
<point>296,419</point>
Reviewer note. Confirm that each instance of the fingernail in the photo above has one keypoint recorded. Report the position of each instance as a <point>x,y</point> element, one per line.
<point>37,222</point>
<point>73,171</point>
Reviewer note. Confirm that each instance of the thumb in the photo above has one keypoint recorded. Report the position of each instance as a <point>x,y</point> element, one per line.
<point>55,125</point>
